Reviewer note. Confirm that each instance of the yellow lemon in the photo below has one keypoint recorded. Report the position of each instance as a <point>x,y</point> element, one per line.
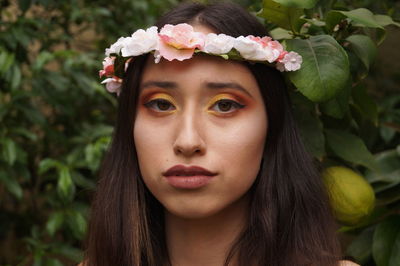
<point>351,196</point>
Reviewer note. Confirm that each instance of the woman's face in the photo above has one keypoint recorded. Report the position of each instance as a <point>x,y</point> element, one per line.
<point>207,112</point>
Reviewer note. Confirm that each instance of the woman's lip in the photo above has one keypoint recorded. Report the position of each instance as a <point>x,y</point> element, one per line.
<point>189,182</point>
<point>181,170</point>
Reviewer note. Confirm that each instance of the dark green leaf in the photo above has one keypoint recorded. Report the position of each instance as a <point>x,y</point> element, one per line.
<point>362,16</point>
<point>69,252</point>
<point>389,164</point>
<point>325,68</point>
<point>9,150</point>
<point>6,61</point>
<point>24,4</point>
<point>338,106</point>
<point>47,164</point>
<point>365,103</point>
<point>285,17</point>
<point>385,20</point>
<point>364,48</point>
<point>298,3</point>
<point>82,181</point>
<point>311,132</point>
<point>279,34</point>
<point>385,237</point>
<point>361,247</point>
<point>350,148</point>
<point>34,115</point>
<point>395,257</point>
<point>332,19</point>
<point>77,224</point>
<point>54,222</point>
<point>16,77</point>
<point>11,184</point>
<point>65,186</point>
<point>42,59</point>
<point>25,133</point>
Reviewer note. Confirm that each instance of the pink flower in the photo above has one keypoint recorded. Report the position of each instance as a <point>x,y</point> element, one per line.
<point>255,48</point>
<point>276,48</point>
<point>291,62</point>
<point>275,45</point>
<point>263,41</point>
<point>266,49</point>
<point>282,55</point>
<point>108,67</point>
<point>113,84</point>
<point>179,41</point>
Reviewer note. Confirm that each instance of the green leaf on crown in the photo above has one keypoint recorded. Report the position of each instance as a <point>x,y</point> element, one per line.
<point>325,68</point>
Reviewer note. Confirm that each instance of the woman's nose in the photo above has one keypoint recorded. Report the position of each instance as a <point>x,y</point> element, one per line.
<point>189,139</point>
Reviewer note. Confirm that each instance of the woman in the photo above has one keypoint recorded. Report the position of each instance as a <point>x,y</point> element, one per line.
<point>206,166</point>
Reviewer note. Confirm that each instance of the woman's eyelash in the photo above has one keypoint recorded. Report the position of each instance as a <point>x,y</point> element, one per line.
<point>238,105</point>
<point>156,103</point>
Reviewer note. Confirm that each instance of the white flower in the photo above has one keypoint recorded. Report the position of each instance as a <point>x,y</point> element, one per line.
<point>276,50</point>
<point>113,85</point>
<point>115,47</point>
<point>157,57</point>
<point>271,54</point>
<point>141,42</point>
<point>292,61</point>
<point>218,44</point>
<point>253,50</point>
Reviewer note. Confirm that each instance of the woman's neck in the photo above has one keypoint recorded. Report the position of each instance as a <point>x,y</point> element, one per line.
<point>207,241</point>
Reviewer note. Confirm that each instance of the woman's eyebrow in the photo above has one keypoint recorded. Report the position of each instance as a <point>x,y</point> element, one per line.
<point>160,84</point>
<point>209,85</point>
<point>223,85</point>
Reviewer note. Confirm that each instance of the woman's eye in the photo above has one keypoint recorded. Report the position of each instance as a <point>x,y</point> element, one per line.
<point>225,105</point>
<point>222,106</point>
<point>159,105</point>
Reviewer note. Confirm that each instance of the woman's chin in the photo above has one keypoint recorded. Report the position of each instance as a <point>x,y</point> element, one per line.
<point>188,211</point>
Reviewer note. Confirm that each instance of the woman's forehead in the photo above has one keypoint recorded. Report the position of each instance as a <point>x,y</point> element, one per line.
<point>199,65</point>
<point>201,70</point>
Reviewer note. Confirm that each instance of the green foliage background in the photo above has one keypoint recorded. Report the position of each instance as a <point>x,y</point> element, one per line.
<point>56,119</point>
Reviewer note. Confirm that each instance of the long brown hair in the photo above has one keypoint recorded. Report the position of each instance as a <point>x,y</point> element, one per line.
<point>290,219</point>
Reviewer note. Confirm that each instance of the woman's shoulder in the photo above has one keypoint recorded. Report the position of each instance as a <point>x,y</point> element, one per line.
<point>342,263</point>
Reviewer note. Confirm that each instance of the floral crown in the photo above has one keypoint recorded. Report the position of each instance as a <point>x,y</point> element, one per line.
<point>180,42</point>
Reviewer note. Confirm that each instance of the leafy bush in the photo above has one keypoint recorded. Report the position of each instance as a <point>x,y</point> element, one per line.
<point>56,119</point>
<point>341,123</point>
